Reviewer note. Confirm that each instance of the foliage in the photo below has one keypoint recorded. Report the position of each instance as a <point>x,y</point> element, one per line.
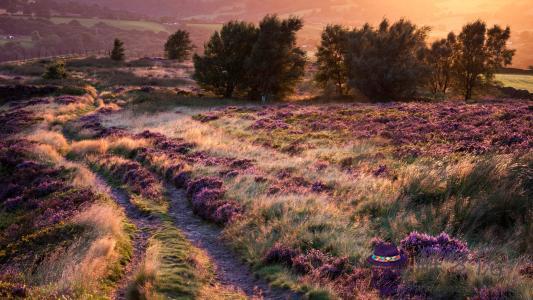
<point>480,51</point>
<point>330,58</point>
<point>440,59</point>
<point>263,62</point>
<point>222,69</point>
<point>441,246</point>
<point>178,46</point>
<point>387,62</point>
<point>117,54</point>
<point>276,64</point>
<point>56,70</point>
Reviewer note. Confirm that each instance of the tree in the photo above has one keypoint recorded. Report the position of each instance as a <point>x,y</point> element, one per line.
<point>275,64</point>
<point>56,70</point>
<point>330,58</point>
<point>222,68</point>
<point>117,53</point>
<point>35,36</point>
<point>530,67</point>
<point>387,62</point>
<point>440,60</point>
<point>480,52</point>
<point>178,46</point>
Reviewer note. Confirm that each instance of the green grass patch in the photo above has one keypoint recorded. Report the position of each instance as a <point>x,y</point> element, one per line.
<point>177,274</point>
<point>24,41</point>
<point>523,82</point>
<point>121,24</point>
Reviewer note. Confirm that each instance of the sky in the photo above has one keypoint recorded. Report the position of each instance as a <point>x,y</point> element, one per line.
<point>441,15</point>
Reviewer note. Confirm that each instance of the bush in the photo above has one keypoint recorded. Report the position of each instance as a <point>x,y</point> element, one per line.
<point>56,70</point>
<point>442,246</point>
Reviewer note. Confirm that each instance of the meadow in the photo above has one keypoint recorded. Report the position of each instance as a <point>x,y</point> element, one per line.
<point>133,183</point>
<point>516,81</point>
<point>121,24</point>
<point>24,41</point>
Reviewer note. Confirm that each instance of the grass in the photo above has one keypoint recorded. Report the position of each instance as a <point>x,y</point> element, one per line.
<point>207,26</point>
<point>480,198</point>
<point>477,198</point>
<point>524,82</point>
<point>121,24</point>
<point>25,41</point>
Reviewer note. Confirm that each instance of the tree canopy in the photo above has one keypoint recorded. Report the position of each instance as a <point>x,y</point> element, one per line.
<point>480,52</point>
<point>222,69</point>
<point>332,68</point>
<point>387,62</point>
<point>179,46</point>
<point>262,62</point>
<point>117,53</point>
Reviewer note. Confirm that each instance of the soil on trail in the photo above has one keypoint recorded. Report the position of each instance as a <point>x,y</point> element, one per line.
<point>230,270</point>
<point>145,225</point>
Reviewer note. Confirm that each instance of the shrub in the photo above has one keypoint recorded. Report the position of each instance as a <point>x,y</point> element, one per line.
<point>442,246</point>
<point>56,70</point>
<point>282,254</point>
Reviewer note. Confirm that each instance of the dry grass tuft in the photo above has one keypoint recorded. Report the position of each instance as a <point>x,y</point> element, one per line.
<point>126,144</point>
<point>105,219</point>
<point>46,153</point>
<point>83,148</point>
<point>54,139</point>
<point>91,257</point>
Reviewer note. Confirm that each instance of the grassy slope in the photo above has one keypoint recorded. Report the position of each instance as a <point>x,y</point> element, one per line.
<point>122,24</point>
<point>517,81</point>
<point>25,41</point>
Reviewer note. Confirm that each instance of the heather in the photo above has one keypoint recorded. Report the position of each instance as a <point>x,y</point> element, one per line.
<point>40,208</point>
<point>154,189</point>
<point>402,129</point>
<point>302,201</point>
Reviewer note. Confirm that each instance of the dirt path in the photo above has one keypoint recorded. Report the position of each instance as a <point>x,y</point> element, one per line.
<point>146,225</point>
<point>230,270</point>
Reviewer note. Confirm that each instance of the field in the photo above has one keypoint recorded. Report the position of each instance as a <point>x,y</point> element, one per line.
<point>122,24</point>
<point>207,26</point>
<point>128,181</point>
<point>25,41</point>
<point>524,82</point>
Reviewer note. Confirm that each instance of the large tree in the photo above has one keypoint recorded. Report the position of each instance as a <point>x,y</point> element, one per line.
<point>222,68</point>
<point>440,60</point>
<point>387,62</point>
<point>276,64</point>
<point>480,52</point>
<point>330,58</point>
<point>179,46</point>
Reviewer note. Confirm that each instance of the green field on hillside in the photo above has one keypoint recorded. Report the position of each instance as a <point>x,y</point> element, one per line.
<point>25,41</point>
<point>122,24</point>
<point>524,82</point>
<point>208,26</point>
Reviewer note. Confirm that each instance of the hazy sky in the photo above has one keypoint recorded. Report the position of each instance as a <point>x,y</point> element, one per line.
<point>441,15</point>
